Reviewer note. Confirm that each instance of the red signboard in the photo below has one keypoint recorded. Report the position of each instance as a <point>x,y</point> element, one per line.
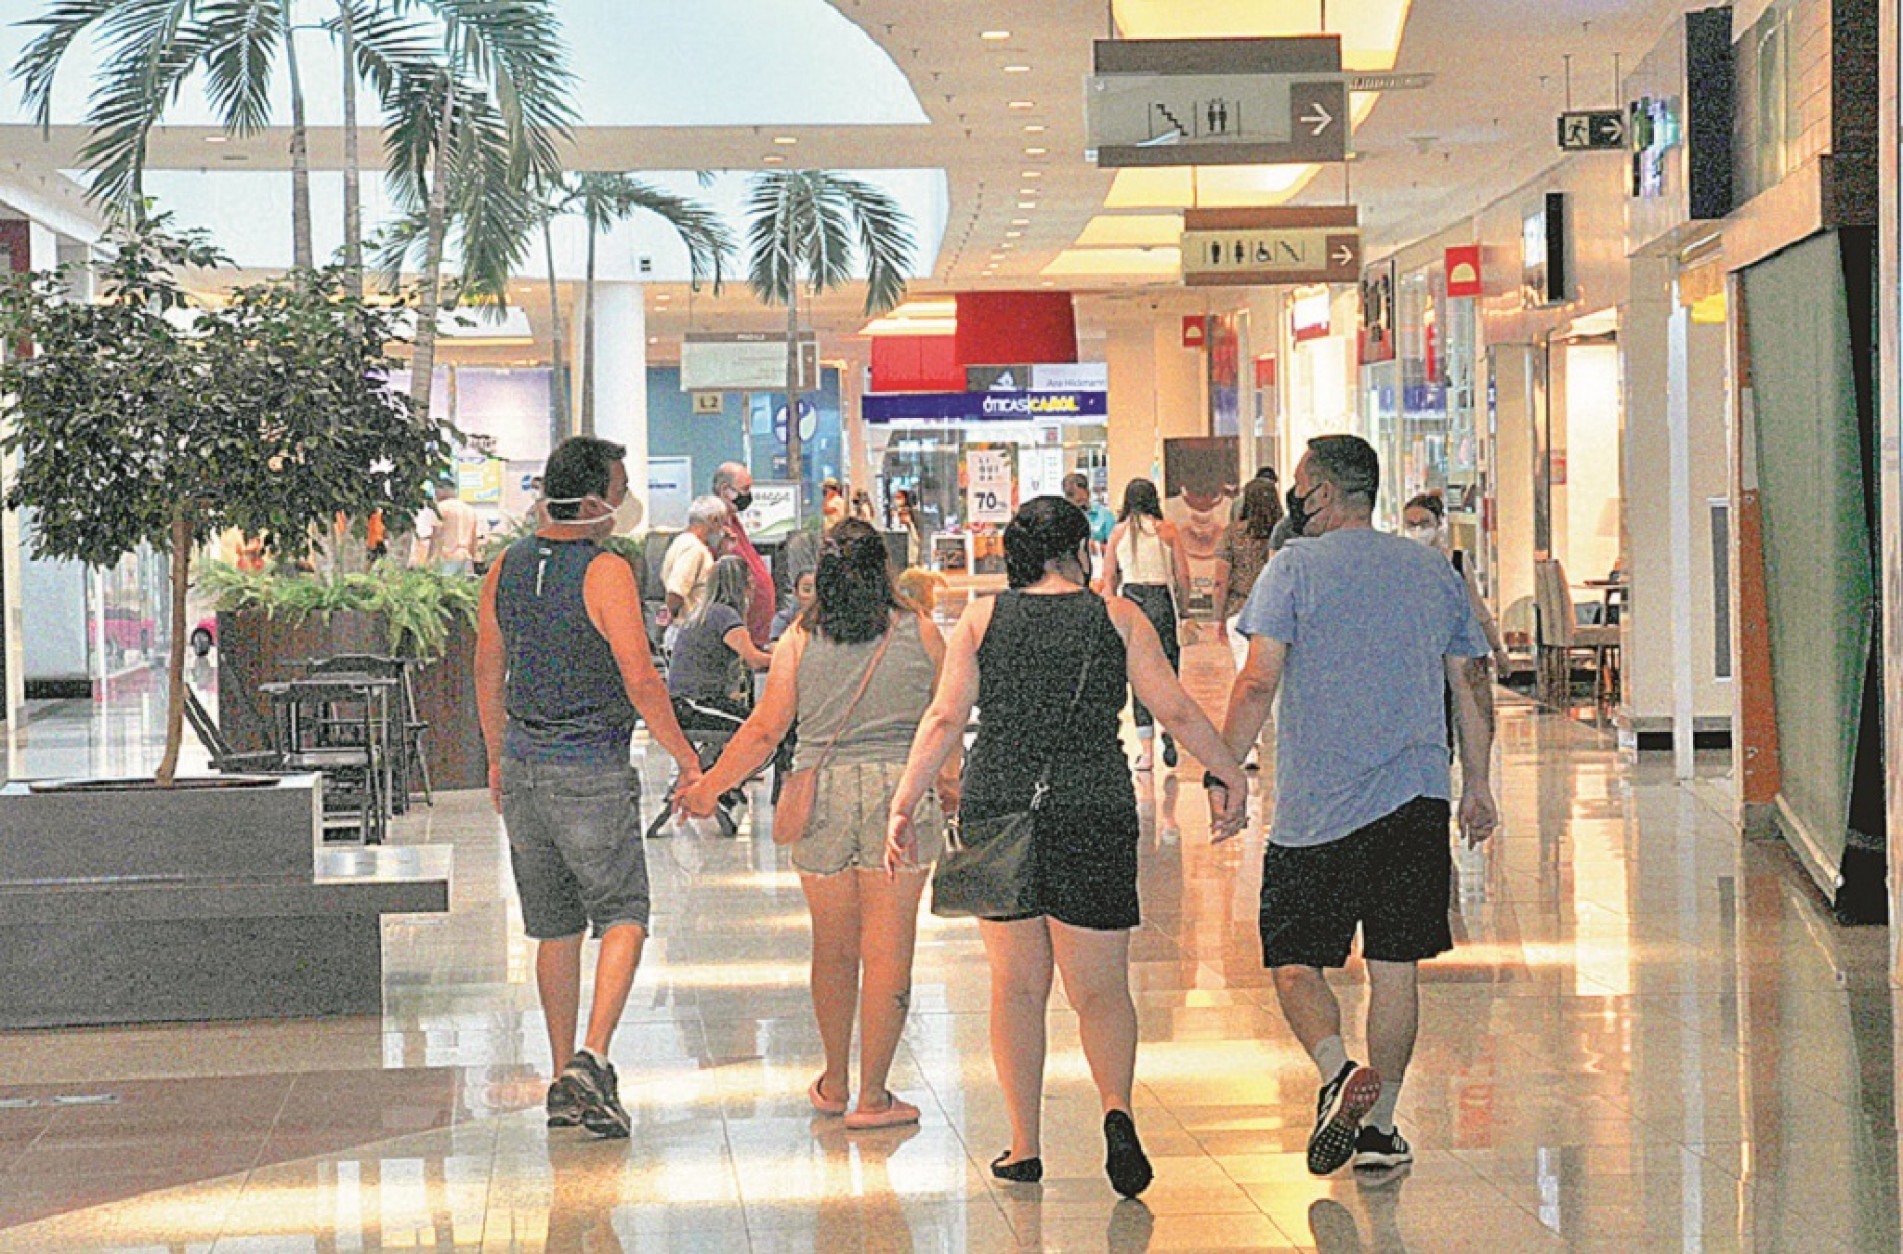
<point>1265,370</point>
<point>1463,270</point>
<point>1195,330</point>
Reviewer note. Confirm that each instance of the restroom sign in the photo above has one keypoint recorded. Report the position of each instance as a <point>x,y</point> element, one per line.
<point>1259,247</point>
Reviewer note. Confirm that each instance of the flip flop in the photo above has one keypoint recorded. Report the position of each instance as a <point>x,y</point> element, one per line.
<point>823,1104</point>
<point>894,1114</point>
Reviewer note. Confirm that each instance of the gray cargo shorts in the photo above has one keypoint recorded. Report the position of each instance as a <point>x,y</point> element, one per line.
<point>575,846</point>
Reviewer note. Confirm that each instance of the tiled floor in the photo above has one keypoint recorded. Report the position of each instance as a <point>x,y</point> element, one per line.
<point>1652,1037</point>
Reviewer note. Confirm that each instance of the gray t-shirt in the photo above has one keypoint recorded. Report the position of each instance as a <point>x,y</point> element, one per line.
<point>1361,730</point>
<point>704,665</point>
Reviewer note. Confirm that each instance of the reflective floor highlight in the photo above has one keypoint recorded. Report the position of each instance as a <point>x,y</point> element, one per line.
<point>1652,1036</point>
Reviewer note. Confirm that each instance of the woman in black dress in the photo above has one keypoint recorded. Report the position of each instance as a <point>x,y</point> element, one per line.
<point>1019,657</point>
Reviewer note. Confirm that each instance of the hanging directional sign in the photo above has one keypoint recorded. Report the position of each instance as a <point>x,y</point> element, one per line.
<point>1592,130</point>
<point>1264,247</point>
<point>1162,102</point>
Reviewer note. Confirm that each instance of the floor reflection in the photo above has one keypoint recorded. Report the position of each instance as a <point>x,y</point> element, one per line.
<point>1651,1036</point>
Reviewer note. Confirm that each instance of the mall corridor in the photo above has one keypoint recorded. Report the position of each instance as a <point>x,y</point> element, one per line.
<point>1651,1036</point>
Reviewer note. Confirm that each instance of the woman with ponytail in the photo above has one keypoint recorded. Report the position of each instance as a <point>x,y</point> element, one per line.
<point>857,670</point>
<point>1048,663</point>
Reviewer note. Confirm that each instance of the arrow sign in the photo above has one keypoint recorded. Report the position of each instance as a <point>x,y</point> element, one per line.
<point>1270,247</point>
<point>1592,130</point>
<point>1318,119</point>
<point>1343,255</point>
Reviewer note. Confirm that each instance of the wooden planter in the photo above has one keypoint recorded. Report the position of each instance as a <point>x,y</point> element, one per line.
<point>254,648</point>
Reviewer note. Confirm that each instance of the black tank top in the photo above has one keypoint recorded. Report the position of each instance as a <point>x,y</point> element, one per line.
<point>1028,666</point>
<point>566,699</point>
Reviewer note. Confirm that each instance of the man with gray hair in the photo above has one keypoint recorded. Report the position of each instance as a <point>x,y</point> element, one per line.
<point>733,483</point>
<point>1360,630</point>
<point>691,556</point>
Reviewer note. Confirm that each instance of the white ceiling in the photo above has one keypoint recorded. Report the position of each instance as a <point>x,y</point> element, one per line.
<point>1424,158</point>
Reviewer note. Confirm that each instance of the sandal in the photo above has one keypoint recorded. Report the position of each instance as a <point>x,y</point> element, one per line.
<point>894,1114</point>
<point>822,1103</point>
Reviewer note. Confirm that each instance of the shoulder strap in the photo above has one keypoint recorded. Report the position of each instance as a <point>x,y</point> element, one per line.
<point>865,681</point>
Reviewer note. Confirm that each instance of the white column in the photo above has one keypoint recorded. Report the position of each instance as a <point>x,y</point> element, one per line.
<point>1679,428</point>
<point>621,374</point>
<point>1645,446</point>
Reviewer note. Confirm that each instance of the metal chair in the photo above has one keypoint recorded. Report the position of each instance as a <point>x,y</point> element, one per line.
<point>409,755</point>
<point>1562,637</point>
<point>338,726</point>
<point>223,757</point>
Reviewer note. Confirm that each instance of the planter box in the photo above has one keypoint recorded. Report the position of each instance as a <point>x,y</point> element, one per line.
<point>158,905</point>
<point>159,834</point>
<point>255,648</point>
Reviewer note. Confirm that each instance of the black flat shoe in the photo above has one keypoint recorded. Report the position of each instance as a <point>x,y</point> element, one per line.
<point>1126,1164</point>
<point>1024,1171</point>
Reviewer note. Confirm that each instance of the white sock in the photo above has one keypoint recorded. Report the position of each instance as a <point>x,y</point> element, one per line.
<point>1330,1057</point>
<point>1381,1114</point>
<point>595,1054</point>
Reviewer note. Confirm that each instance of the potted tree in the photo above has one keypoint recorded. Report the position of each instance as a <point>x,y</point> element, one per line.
<point>148,419</point>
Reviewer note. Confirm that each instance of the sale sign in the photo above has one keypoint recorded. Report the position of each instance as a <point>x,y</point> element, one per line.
<point>988,486</point>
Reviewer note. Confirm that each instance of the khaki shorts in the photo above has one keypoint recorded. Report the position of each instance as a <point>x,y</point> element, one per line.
<point>847,826</point>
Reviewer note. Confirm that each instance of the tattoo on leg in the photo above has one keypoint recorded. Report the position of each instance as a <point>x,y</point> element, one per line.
<point>903,1000</point>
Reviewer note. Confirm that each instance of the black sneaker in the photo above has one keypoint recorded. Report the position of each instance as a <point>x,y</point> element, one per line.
<point>1169,752</point>
<point>1378,1150</point>
<point>564,1103</point>
<point>601,1111</point>
<point>1338,1112</point>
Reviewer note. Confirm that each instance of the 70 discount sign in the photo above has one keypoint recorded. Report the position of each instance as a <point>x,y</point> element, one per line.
<point>988,486</point>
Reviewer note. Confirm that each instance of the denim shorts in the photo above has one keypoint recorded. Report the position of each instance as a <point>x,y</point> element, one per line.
<point>848,823</point>
<point>575,846</point>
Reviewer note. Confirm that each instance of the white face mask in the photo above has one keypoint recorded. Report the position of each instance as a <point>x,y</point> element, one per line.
<point>1425,533</point>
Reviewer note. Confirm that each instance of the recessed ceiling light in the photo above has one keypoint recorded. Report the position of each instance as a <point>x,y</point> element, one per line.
<point>995,34</point>
<point>217,139</point>
<point>1031,174</point>
<point>1047,283</point>
<point>1027,204</point>
<point>1020,222</point>
<point>654,339</point>
<point>1017,69</point>
<point>774,158</point>
<point>1014,234</point>
<point>1035,152</point>
<point>1035,128</point>
<point>1022,104</point>
<point>785,140</point>
<point>236,156</point>
<point>1027,191</point>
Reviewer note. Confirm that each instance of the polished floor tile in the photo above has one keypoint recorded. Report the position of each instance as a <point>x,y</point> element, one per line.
<point>1651,1037</point>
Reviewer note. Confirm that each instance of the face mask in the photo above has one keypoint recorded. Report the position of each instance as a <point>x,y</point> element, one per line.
<point>1426,533</point>
<point>742,501</point>
<point>1298,515</point>
<point>603,523</point>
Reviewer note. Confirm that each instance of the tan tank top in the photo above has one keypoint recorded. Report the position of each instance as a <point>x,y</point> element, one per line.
<point>1143,557</point>
<point>887,716</point>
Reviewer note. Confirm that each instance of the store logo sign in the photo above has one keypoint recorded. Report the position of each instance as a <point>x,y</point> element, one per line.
<point>1655,128</point>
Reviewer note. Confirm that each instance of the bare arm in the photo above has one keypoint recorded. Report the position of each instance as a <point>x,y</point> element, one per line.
<point>1222,593</point>
<point>492,673</point>
<point>756,658</point>
<point>1179,566</point>
<point>941,733</point>
<point>1111,579</point>
<point>1254,692</point>
<point>1157,686</point>
<point>948,774</point>
<point>1472,681</point>
<point>763,731</point>
<point>614,607</point>
<point>1487,624</point>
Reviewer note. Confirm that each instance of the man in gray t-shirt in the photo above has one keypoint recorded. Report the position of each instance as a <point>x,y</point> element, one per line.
<point>1361,631</point>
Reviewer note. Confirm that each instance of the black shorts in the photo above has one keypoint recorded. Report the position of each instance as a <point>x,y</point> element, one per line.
<point>1391,878</point>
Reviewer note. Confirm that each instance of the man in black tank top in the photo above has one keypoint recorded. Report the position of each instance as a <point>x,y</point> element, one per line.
<point>562,668</point>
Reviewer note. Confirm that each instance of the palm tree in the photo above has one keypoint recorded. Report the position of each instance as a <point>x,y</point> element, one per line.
<point>604,199</point>
<point>468,138</point>
<point>152,48</point>
<point>806,226</point>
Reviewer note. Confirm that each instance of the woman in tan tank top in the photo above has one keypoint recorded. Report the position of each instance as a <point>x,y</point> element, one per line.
<point>864,919</point>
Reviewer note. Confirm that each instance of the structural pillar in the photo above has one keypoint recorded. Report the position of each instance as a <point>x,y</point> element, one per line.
<point>621,374</point>
<point>1890,445</point>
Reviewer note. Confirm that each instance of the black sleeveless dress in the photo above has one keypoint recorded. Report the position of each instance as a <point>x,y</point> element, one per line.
<point>1086,838</point>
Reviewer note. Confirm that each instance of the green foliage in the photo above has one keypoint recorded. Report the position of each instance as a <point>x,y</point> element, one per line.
<point>805,227</point>
<point>419,607</point>
<point>604,199</point>
<point>270,413</point>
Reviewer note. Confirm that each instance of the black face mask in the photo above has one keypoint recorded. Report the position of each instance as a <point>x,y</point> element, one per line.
<point>742,501</point>
<point>1298,515</point>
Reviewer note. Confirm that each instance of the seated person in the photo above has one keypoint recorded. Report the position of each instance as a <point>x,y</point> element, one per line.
<point>709,668</point>
<point>803,596</point>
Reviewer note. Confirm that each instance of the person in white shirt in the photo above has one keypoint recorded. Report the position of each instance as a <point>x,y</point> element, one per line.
<point>690,559</point>
<point>453,542</point>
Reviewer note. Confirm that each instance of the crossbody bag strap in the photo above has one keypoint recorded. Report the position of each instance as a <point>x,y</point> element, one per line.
<point>865,682</point>
<point>1043,787</point>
